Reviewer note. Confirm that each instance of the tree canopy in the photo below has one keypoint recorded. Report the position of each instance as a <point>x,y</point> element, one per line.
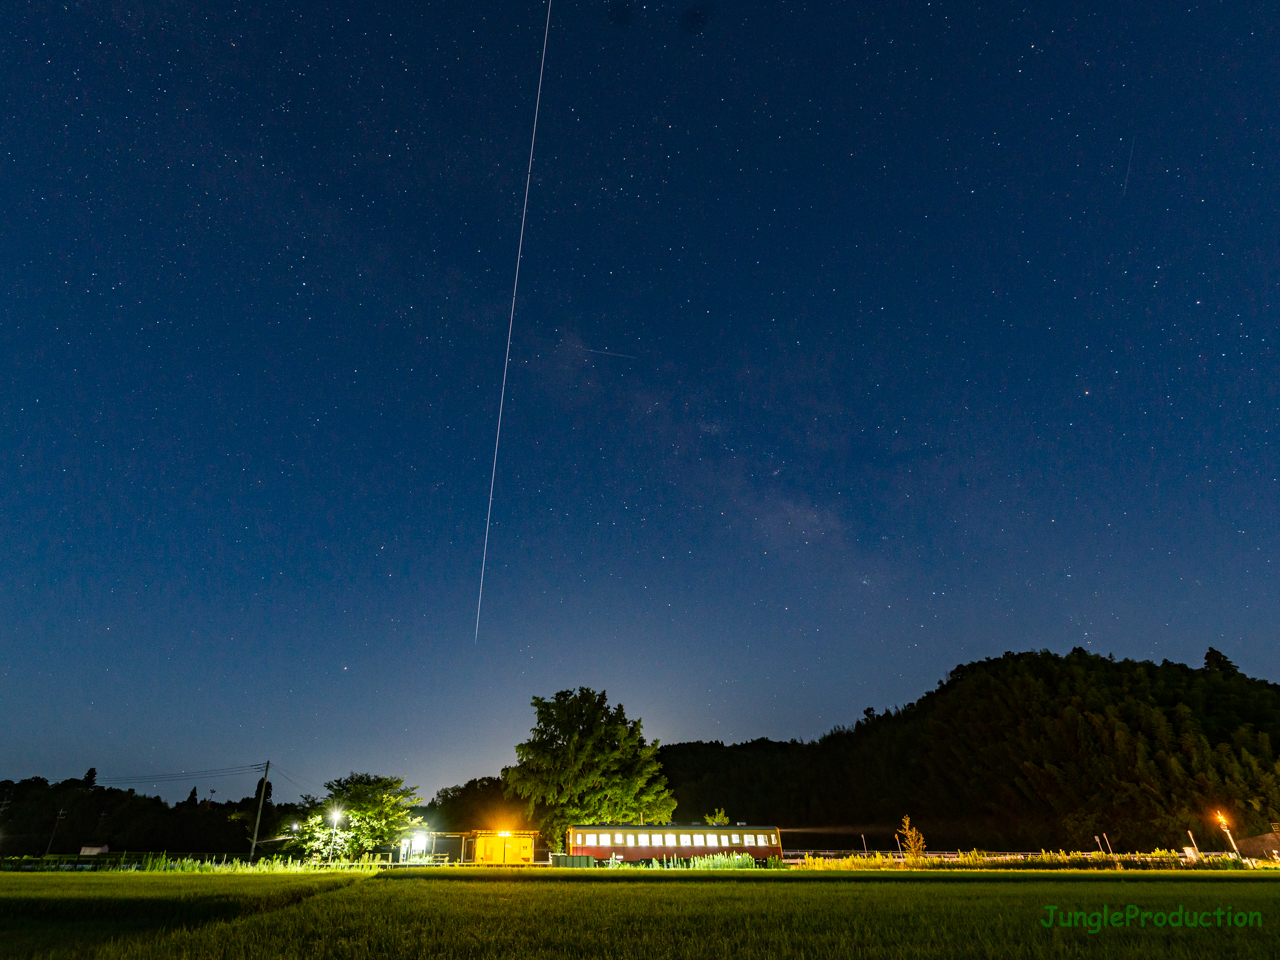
<point>361,811</point>
<point>586,762</point>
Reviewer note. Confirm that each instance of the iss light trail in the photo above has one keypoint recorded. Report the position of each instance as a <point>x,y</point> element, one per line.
<point>506,363</point>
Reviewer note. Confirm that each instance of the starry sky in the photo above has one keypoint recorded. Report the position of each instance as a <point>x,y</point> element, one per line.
<point>853,341</point>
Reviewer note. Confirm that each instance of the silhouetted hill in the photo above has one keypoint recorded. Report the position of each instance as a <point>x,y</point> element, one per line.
<point>1023,751</point>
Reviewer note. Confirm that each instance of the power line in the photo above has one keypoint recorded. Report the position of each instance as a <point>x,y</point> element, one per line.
<point>290,777</point>
<point>506,363</point>
<point>214,774</point>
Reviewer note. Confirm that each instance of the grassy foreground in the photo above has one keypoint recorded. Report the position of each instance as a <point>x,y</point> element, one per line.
<point>545,914</point>
<point>77,915</point>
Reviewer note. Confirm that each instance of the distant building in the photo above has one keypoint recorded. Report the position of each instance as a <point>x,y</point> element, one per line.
<point>496,847</point>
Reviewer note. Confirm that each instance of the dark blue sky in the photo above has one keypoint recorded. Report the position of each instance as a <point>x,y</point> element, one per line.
<point>918,368</point>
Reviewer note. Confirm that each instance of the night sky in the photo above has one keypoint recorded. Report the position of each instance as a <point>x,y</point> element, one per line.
<point>941,330</point>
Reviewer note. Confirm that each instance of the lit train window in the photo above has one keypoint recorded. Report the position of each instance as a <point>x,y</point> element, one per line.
<point>686,840</point>
<point>773,838</point>
<point>644,839</point>
<point>604,840</point>
<point>735,839</point>
<point>671,840</point>
<point>617,839</point>
<point>579,839</point>
<point>631,839</point>
<point>711,839</point>
<point>748,840</point>
<point>761,840</point>
<point>591,839</point>
<point>698,840</point>
<point>724,841</point>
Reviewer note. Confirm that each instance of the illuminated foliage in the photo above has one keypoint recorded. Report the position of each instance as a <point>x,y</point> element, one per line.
<point>912,840</point>
<point>372,812</point>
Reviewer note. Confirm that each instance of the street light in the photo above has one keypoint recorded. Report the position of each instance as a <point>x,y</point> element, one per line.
<point>336,816</point>
<point>1222,822</point>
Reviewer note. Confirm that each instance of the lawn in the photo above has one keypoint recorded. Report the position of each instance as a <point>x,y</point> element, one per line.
<point>552,914</point>
<point>76,915</point>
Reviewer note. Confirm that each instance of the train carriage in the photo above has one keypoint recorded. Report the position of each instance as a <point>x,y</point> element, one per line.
<point>633,842</point>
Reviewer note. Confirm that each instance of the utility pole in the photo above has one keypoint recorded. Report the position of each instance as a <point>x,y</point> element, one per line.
<point>57,820</point>
<point>262,795</point>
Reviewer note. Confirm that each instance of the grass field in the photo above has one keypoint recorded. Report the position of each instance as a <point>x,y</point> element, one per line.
<point>554,914</point>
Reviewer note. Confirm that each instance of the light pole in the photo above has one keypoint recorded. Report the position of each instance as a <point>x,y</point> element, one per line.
<point>1227,830</point>
<point>337,815</point>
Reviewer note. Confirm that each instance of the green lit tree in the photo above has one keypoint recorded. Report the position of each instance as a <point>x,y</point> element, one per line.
<point>371,812</point>
<point>585,762</point>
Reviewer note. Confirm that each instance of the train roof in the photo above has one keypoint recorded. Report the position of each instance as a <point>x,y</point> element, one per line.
<point>671,826</point>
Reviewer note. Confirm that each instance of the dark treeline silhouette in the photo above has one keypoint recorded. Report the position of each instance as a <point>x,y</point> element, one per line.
<point>475,805</point>
<point>80,813</point>
<point>1023,751</point>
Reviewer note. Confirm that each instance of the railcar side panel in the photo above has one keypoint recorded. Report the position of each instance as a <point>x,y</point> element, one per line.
<point>634,842</point>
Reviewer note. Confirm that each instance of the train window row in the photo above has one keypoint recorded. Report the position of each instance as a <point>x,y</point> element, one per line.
<point>677,840</point>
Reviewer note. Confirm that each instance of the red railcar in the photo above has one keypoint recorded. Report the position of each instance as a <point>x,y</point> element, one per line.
<point>631,842</point>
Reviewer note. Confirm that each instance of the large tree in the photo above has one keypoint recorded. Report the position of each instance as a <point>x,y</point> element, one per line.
<point>585,762</point>
<point>361,812</point>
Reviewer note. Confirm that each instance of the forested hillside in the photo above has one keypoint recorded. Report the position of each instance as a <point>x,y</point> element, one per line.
<point>1021,751</point>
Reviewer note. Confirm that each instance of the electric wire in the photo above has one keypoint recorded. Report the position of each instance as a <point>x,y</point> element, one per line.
<point>300,786</point>
<point>506,363</point>
<point>215,774</point>
<point>290,776</point>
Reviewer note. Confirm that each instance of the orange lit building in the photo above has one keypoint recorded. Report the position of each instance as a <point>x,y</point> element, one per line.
<point>503,846</point>
<point>431,848</point>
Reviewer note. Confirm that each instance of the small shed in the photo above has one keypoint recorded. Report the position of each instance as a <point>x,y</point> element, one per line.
<point>504,846</point>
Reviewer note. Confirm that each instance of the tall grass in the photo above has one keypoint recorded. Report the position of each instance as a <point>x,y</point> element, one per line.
<point>162,863</point>
<point>711,861</point>
<point>1044,860</point>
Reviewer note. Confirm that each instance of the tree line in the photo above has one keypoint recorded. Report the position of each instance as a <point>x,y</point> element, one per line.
<point>358,814</point>
<point>1026,751</point>
<point>37,816</point>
